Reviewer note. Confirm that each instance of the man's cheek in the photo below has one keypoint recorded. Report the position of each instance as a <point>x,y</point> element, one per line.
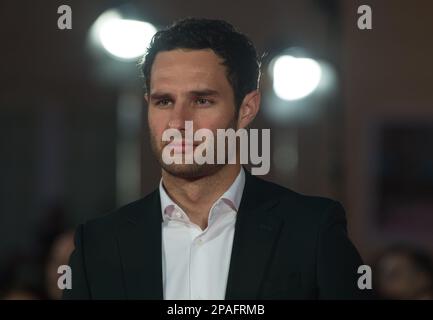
<point>154,136</point>
<point>157,138</point>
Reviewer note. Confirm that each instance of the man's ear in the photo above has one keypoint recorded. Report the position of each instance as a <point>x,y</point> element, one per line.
<point>249,108</point>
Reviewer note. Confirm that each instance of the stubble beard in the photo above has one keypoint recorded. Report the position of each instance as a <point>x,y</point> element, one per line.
<point>188,171</point>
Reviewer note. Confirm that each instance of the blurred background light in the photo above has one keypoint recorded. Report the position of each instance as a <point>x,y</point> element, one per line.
<point>295,78</point>
<point>116,41</point>
<point>125,39</point>
<point>300,87</point>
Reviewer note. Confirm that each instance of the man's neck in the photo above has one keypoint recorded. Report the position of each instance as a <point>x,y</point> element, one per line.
<point>196,197</point>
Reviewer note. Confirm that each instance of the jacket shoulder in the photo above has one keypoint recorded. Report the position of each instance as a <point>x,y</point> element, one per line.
<point>122,215</point>
<point>297,206</point>
<point>293,198</point>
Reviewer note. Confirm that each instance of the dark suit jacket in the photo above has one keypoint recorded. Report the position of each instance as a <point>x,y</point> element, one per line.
<point>286,246</point>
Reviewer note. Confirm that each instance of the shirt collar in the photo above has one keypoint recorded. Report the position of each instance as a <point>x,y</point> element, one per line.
<point>234,193</point>
<point>232,196</point>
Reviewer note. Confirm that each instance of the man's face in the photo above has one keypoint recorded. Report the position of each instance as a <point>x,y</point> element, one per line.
<point>189,85</point>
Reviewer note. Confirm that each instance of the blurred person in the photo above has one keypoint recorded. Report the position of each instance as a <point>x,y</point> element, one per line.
<point>404,272</point>
<point>22,293</point>
<point>59,253</point>
<point>212,231</point>
<point>29,276</point>
<point>20,279</point>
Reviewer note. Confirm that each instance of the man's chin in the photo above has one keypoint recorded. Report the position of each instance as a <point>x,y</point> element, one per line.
<point>191,171</point>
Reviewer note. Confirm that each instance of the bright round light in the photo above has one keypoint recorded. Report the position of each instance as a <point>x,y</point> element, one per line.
<point>295,78</point>
<point>123,38</point>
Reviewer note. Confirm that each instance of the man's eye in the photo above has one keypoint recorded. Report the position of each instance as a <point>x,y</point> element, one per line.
<point>203,101</point>
<point>163,102</point>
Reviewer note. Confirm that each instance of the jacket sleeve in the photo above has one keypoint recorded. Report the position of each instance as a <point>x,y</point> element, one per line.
<point>337,259</point>
<point>80,287</point>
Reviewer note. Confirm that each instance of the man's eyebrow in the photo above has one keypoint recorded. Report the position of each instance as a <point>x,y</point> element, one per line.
<point>204,92</point>
<point>160,95</point>
<point>201,93</point>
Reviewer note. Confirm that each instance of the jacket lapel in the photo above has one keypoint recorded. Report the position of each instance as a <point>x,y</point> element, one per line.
<point>256,232</point>
<point>139,242</point>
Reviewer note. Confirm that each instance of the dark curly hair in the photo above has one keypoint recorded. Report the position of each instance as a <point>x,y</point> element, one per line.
<point>236,50</point>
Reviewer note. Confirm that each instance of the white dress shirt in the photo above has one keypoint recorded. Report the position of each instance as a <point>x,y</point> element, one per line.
<point>196,262</point>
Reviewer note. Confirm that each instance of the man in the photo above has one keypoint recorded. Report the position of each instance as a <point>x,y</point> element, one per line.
<point>212,231</point>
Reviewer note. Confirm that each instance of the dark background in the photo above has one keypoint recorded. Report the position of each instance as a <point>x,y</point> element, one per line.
<point>71,152</point>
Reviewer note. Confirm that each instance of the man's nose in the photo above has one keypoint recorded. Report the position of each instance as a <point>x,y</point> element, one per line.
<point>180,113</point>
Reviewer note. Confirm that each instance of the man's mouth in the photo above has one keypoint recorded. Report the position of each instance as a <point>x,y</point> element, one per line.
<point>182,146</point>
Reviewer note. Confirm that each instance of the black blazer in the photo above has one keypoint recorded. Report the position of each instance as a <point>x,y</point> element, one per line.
<point>285,246</point>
